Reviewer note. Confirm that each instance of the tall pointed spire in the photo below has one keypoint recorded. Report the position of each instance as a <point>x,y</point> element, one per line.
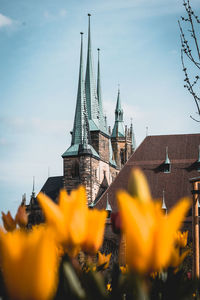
<point>118,111</point>
<point>80,131</point>
<point>102,122</point>
<point>132,137</point>
<point>90,86</point>
<point>118,129</point>
<point>81,134</point>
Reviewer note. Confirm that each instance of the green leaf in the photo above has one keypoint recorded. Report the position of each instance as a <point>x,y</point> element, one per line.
<point>73,281</point>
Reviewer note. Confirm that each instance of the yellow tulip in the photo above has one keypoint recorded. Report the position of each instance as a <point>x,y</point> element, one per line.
<point>21,217</point>
<point>138,186</point>
<point>150,234</point>
<point>177,258</point>
<point>103,259</point>
<point>181,239</point>
<point>94,230</point>
<point>75,225</point>
<point>8,222</point>
<point>29,264</point>
<point>124,269</point>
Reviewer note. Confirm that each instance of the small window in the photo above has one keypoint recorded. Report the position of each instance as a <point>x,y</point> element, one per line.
<point>167,168</point>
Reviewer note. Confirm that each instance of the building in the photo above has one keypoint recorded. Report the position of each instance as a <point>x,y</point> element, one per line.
<point>96,154</point>
<point>168,161</point>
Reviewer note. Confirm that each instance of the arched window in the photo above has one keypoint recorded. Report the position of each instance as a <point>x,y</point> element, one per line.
<point>75,169</point>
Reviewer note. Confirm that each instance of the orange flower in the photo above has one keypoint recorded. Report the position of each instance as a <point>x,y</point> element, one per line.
<point>124,269</point>
<point>75,225</point>
<point>21,217</point>
<point>94,230</point>
<point>103,259</point>
<point>29,264</point>
<point>8,222</point>
<point>181,239</point>
<point>150,234</point>
<point>177,258</point>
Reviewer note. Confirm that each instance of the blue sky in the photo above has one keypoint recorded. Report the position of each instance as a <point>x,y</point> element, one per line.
<point>39,54</point>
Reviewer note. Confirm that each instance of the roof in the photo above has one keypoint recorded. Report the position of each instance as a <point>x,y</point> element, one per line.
<point>74,151</point>
<point>52,187</point>
<point>150,156</point>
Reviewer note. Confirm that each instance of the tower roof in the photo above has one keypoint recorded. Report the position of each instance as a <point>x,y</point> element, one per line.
<point>102,121</point>
<point>81,134</point>
<point>90,86</point>
<point>118,129</point>
<point>81,110</point>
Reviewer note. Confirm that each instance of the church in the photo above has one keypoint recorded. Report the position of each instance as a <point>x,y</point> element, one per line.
<point>97,153</point>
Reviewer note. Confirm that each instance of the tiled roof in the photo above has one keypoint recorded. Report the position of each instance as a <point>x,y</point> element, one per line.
<point>150,157</point>
<point>52,187</point>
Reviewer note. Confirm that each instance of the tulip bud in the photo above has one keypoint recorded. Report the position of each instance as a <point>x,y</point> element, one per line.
<point>21,217</point>
<point>138,186</point>
<point>8,221</point>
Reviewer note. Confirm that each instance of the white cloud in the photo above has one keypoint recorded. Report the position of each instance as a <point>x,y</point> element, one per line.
<point>5,21</point>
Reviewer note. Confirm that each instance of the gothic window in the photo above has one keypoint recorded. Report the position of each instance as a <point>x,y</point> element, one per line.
<point>75,169</point>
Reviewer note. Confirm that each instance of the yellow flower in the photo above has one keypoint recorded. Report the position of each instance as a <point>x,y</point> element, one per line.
<point>181,239</point>
<point>103,259</point>
<point>109,287</point>
<point>8,222</point>
<point>150,234</point>
<point>94,230</point>
<point>124,269</point>
<point>138,186</point>
<point>68,218</point>
<point>177,258</point>
<point>21,217</point>
<point>29,264</point>
<point>75,225</point>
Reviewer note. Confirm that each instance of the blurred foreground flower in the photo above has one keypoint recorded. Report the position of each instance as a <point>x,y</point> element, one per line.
<point>103,259</point>
<point>76,226</point>
<point>8,221</point>
<point>29,264</point>
<point>21,217</point>
<point>150,234</point>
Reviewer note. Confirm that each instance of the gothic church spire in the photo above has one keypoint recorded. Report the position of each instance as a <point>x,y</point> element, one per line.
<point>80,120</point>
<point>118,129</point>
<point>90,87</point>
<point>102,120</point>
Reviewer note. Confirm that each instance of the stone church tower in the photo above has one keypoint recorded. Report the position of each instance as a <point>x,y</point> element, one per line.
<point>95,157</point>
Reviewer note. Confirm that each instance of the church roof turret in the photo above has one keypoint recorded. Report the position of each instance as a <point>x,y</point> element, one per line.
<point>90,87</point>
<point>118,129</point>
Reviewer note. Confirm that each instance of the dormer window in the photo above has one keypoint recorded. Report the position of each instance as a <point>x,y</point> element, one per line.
<point>167,163</point>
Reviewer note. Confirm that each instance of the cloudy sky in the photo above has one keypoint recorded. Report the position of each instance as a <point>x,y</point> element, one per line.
<point>39,61</point>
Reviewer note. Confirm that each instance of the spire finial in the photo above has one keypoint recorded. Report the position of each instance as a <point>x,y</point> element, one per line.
<point>118,88</point>
<point>147,131</point>
<point>33,191</point>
